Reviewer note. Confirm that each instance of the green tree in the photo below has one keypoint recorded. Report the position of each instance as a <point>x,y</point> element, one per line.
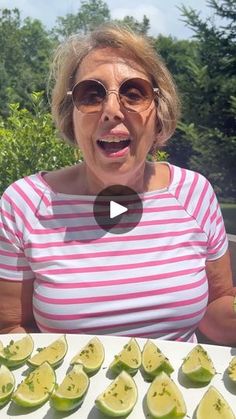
<point>139,27</point>
<point>25,54</point>
<point>213,73</point>
<point>91,14</point>
<point>10,52</point>
<point>209,124</point>
<point>176,54</point>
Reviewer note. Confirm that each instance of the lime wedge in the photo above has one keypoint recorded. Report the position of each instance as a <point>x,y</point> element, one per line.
<point>213,405</point>
<point>164,399</point>
<point>231,370</point>
<point>91,356</point>
<point>16,352</point>
<point>71,392</point>
<point>154,361</point>
<point>120,396</point>
<point>36,387</point>
<point>53,353</point>
<point>129,359</point>
<point>198,366</point>
<point>7,384</point>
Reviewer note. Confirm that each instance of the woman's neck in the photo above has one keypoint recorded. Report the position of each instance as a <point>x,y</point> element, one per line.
<point>139,180</point>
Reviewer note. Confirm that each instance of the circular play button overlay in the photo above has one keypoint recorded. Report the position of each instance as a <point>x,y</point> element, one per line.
<point>118,209</point>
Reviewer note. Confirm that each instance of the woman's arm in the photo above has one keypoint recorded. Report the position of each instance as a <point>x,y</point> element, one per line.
<point>16,313</point>
<point>219,322</point>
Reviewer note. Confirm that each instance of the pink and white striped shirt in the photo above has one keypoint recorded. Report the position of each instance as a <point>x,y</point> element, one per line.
<point>149,282</point>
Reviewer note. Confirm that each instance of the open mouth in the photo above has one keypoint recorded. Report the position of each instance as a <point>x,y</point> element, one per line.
<point>113,146</point>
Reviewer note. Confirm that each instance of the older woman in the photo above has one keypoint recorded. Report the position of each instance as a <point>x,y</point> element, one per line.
<point>61,272</point>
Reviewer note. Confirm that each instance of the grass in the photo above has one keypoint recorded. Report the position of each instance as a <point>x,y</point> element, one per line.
<point>229,215</point>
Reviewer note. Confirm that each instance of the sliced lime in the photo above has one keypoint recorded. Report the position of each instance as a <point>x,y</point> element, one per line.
<point>213,405</point>
<point>36,387</point>
<point>120,396</point>
<point>16,352</point>
<point>7,384</point>
<point>164,399</point>
<point>234,304</point>
<point>198,366</point>
<point>91,356</point>
<point>231,370</point>
<point>71,392</point>
<point>154,361</point>
<point>129,359</point>
<point>53,353</point>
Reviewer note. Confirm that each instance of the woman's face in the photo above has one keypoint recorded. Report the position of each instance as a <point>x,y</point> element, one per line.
<point>133,133</point>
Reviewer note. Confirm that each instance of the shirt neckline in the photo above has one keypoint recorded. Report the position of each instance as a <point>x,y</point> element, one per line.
<point>47,188</point>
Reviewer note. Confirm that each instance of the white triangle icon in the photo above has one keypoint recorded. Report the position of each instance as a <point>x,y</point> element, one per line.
<point>116,209</point>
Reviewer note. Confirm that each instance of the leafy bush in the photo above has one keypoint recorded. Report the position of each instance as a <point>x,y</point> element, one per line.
<point>29,143</point>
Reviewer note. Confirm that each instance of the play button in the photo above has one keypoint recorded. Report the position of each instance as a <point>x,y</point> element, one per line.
<point>118,209</point>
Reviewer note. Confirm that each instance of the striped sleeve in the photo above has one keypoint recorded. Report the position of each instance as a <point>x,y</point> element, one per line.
<point>199,200</point>
<point>215,228</point>
<point>13,263</point>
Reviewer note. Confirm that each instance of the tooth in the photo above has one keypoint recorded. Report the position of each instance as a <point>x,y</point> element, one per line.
<point>114,140</point>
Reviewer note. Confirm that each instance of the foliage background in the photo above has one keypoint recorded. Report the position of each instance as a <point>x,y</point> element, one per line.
<point>204,69</point>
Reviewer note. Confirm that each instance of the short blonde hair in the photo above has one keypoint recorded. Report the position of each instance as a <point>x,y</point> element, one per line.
<point>139,48</point>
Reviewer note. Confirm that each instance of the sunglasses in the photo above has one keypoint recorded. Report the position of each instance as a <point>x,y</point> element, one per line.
<point>135,95</point>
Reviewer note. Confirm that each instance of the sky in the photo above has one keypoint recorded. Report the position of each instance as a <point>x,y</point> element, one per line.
<point>164,16</point>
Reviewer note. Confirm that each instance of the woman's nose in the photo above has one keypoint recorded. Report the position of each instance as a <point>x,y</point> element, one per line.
<point>111,108</point>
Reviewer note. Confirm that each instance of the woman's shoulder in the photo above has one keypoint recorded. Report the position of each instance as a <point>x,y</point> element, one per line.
<point>26,195</point>
<point>40,183</point>
<point>192,190</point>
<point>179,173</point>
<point>24,185</point>
<point>183,179</point>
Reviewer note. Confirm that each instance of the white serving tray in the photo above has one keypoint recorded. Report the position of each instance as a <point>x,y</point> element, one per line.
<point>175,351</point>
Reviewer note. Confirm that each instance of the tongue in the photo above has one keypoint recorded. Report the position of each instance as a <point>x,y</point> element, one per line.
<point>113,147</point>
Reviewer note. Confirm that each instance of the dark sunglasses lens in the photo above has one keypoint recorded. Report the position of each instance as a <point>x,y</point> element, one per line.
<point>88,96</point>
<point>136,94</point>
